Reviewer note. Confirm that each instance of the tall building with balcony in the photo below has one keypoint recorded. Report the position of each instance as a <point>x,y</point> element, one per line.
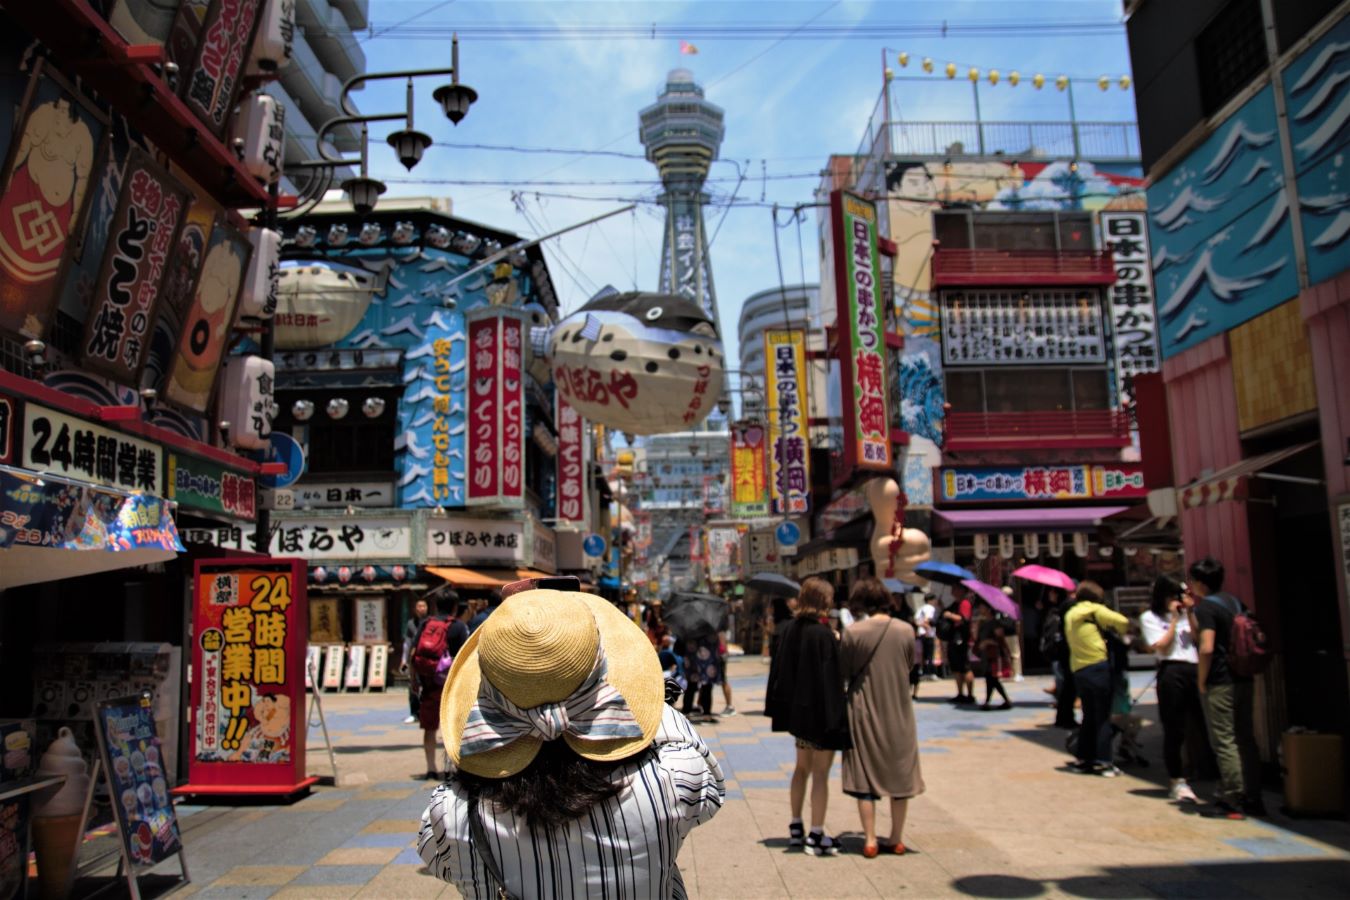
<point>1242,116</point>
<point>774,308</point>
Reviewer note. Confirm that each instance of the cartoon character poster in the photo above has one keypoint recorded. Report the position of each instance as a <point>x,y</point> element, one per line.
<point>133,755</point>
<point>192,373</point>
<point>251,623</point>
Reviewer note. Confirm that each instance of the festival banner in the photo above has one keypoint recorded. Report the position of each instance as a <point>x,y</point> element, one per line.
<point>484,412</point>
<point>1120,481</point>
<point>571,459</point>
<point>57,146</point>
<point>749,483</point>
<point>212,82</point>
<point>789,452</point>
<point>861,321</point>
<point>251,622</point>
<point>1134,329</point>
<point>126,292</point>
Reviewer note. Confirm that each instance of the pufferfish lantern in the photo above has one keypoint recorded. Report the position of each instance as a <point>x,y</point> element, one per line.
<point>639,362</point>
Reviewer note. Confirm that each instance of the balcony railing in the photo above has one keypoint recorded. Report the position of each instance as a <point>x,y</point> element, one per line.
<point>1025,141</point>
<point>960,267</point>
<point>1052,429</point>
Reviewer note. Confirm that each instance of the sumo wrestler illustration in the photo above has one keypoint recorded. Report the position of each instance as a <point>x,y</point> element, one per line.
<point>207,326</point>
<point>270,739</point>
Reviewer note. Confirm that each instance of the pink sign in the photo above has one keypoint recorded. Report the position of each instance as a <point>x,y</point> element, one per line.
<point>511,382</point>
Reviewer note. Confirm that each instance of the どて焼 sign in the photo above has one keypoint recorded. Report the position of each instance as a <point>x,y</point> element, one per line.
<point>344,538</point>
<point>861,304</point>
<point>64,445</point>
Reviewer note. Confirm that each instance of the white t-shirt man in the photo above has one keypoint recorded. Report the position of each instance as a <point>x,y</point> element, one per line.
<point>1182,648</point>
<point>923,619</point>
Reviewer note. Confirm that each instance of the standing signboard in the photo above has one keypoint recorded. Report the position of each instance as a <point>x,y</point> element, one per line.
<point>861,322</point>
<point>133,758</point>
<point>250,624</point>
<point>789,454</point>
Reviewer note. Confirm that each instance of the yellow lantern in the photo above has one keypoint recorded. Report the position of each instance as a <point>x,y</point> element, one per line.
<point>973,74</point>
<point>950,69</point>
<point>1104,83</point>
<point>1124,82</point>
<point>1014,78</point>
<point>928,64</point>
<point>1062,82</point>
<point>904,60</point>
<point>1038,81</point>
<point>993,76</point>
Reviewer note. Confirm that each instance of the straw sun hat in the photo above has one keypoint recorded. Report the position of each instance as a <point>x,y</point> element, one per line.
<point>538,648</point>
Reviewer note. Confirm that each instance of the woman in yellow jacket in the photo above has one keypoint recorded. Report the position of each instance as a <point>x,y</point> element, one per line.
<point>1085,624</point>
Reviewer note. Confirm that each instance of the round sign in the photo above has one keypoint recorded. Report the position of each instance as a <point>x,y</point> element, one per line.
<point>594,545</point>
<point>788,534</point>
<point>285,449</point>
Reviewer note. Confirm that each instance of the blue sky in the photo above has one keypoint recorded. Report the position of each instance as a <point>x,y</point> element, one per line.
<point>789,105</point>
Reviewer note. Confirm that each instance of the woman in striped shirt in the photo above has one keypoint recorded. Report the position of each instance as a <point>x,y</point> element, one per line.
<point>572,777</point>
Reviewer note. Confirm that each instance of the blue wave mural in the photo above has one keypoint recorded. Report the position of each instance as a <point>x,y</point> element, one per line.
<point>1317,99</point>
<point>1220,229</point>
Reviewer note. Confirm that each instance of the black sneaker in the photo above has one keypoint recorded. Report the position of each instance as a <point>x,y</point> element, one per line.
<point>820,844</point>
<point>796,834</point>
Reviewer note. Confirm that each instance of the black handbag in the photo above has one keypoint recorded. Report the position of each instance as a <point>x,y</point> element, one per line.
<point>478,843</point>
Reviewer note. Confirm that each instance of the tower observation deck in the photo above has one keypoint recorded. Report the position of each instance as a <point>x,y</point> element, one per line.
<point>682,132</point>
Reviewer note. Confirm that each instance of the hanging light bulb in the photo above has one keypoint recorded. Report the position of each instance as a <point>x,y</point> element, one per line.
<point>973,74</point>
<point>1062,82</point>
<point>950,69</point>
<point>1104,83</point>
<point>904,59</point>
<point>993,76</point>
<point>1038,81</point>
<point>1124,82</point>
<point>927,64</point>
<point>888,72</point>
<point>1014,77</point>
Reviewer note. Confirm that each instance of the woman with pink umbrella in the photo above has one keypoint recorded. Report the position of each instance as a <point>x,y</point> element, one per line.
<point>994,620</point>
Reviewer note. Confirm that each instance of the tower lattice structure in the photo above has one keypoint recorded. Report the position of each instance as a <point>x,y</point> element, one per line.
<point>682,132</point>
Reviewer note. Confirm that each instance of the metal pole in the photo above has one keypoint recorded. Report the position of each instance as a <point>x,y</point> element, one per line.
<point>979,124</point>
<point>1073,123</point>
<point>267,350</point>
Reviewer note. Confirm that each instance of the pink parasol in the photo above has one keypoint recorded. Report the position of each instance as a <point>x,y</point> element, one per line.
<point>994,597</point>
<point>1047,576</point>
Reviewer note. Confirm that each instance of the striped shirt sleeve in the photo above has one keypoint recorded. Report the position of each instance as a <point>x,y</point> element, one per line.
<point>694,771</point>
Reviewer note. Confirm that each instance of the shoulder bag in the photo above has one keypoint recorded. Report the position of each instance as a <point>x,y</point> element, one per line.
<point>857,676</point>
<point>478,843</point>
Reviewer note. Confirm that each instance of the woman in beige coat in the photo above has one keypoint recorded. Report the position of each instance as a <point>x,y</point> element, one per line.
<point>876,656</point>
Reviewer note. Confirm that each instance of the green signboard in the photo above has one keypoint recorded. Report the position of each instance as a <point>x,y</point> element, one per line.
<point>200,484</point>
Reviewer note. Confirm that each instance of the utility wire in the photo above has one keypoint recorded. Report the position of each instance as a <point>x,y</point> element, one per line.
<point>868,31</point>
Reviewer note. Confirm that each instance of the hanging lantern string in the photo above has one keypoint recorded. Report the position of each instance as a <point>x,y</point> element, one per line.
<point>1013,77</point>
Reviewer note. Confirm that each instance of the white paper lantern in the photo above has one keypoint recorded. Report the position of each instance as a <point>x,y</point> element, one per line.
<point>1080,543</point>
<point>1054,543</point>
<point>246,400</point>
<point>274,39</point>
<point>1031,544</point>
<point>1007,546</point>
<point>981,542</point>
<point>258,298</point>
<point>257,134</point>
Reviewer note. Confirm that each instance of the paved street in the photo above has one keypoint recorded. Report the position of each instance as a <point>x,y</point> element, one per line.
<point>998,820</point>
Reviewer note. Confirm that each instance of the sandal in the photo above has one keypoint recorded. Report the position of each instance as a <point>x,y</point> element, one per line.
<point>882,846</point>
<point>870,851</point>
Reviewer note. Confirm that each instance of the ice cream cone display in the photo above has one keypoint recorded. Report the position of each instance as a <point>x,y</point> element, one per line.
<point>58,815</point>
<point>56,840</point>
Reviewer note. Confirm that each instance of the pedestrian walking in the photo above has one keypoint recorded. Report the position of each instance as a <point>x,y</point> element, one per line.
<point>485,609</point>
<point>876,657</point>
<point>1169,630</point>
<point>805,698</point>
<point>439,640</point>
<point>1085,627</point>
<point>954,628</point>
<point>1225,693</point>
<point>1013,641</point>
<point>655,624</point>
<point>572,777</point>
<point>992,648</point>
<point>410,629</point>
<point>926,633</point>
<point>1055,648</point>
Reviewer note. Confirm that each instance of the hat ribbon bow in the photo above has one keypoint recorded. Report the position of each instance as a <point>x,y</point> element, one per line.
<point>595,711</point>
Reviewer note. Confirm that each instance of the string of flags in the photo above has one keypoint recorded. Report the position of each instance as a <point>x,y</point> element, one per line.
<point>1014,77</point>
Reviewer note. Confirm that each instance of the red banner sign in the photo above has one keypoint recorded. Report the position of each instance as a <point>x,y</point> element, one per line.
<point>512,401</point>
<point>135,259</point>
<point>210,88</point>
<point>484,413</point>
<point>251,623</point>
<point>571,463</point>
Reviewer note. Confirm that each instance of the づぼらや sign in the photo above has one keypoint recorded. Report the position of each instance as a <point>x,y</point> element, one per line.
<point>476,540</point>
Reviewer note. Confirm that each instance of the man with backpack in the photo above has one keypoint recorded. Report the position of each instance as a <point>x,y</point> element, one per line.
<point>410,629</point>
<point>439,638</point>
<point>1232,649</point>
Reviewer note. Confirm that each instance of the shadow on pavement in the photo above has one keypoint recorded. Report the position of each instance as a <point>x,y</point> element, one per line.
<point>1287,878</point>
<point>373,748</point>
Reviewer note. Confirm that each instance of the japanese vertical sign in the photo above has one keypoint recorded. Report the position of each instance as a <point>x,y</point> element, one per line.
<point>440,419</point>
<point>213,81</point>
<point>789,450</point>
<point>496,410</point>
<point>749,485</point>
<point>571,505</point>
<point>861,321</point>
<point>135,260</point>
<point>1133,326</point>
<point>251,626</point>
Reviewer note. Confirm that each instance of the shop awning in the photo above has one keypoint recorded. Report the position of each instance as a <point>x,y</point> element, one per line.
<point>1040,518</point>
<point>483,578</point>
<point>1230,483</point>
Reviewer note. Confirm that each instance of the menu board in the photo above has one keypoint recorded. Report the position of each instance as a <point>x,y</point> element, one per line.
<point>133,758</point>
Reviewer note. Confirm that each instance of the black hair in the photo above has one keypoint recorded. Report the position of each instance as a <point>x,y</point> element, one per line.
<point>556,787</point>
<point>1165,587</point>
<point>1209,572</point>
<point>871,595</point>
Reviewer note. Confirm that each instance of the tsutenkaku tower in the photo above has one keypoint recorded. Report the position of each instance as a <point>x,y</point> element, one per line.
<point>682,132</point>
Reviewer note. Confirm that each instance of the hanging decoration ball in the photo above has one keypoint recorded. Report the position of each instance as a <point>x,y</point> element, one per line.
<point>1062,82</point>
<point>950,69</point>
<point>1104,83</point>
<point>928,64</point>
<point>1014,78</point>
<point>993,76</point>
<point>904,59</point>
<point>1124,82</point>
<point>1038,81</point>
<point>973,74</point>
<point>889,73</point>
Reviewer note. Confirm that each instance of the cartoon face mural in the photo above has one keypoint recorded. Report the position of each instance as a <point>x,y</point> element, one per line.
<point>640,363</point>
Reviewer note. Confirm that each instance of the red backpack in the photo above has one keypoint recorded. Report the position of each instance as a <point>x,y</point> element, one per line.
<point>430,659</point>
<point>1249,649</point>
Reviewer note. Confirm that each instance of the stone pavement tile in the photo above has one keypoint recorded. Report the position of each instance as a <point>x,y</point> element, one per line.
<point>405,839</point>
<point>774,775</point>
<point>402,882</point>
<point>335,874</point>
<point>236,892</point>
<point>359,856</point>
<point>1163,833</point>
<point>823,876</point>
<point>407,857</point>
<point>388,794</point>
<point>1274,847</point>
<point>393,826</point>
<point>258,875</point>
<point>317,892</point>
<point>315,804</point>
